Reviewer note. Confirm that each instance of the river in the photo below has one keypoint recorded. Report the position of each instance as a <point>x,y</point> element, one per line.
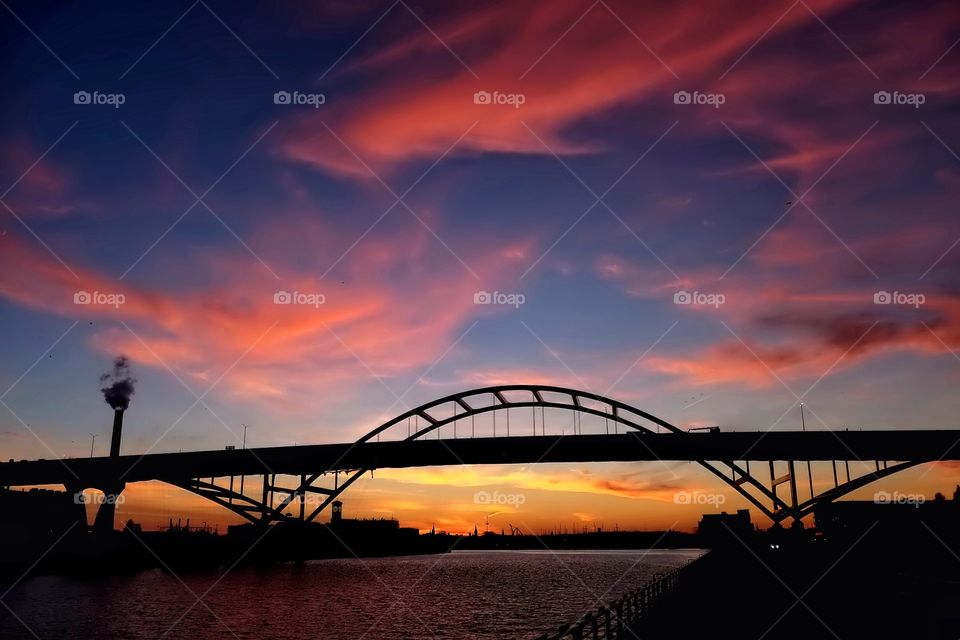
<point>481,594</point>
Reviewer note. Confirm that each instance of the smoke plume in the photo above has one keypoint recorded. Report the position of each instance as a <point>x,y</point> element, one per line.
<point>118,384</point>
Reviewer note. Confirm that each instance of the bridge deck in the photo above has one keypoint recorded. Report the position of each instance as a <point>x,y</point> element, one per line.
<point>632,447</point>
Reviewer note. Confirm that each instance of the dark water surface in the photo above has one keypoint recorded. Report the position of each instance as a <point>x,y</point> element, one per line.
<point>458,595</point>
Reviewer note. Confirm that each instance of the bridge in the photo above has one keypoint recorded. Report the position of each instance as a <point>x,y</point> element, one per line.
<point>444,432</point>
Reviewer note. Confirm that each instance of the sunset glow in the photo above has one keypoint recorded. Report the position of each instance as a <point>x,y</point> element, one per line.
<point>711,211</point>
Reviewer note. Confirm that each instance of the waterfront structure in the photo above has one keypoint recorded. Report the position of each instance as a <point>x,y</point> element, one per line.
<point>416,438</point>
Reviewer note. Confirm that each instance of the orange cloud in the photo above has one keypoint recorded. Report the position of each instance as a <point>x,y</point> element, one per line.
<point>649,481</point>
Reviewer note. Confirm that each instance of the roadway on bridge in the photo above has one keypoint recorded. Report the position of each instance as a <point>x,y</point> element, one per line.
<point>918,446</point>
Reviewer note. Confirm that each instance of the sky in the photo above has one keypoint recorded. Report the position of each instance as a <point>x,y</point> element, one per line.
<point>710,211</point>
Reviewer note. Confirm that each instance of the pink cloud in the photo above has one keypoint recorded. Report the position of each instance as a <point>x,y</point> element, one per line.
<point>416,110</point>
<point>382,320</point>
<point>802,306</point>
<point>43,184</point>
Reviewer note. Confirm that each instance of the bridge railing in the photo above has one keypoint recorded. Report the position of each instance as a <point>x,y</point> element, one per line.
<point>612,620</point>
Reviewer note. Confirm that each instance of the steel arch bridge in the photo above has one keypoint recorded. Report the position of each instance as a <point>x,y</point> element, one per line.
<point>454,409</point>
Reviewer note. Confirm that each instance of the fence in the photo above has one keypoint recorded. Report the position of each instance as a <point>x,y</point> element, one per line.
<point>609,621</point>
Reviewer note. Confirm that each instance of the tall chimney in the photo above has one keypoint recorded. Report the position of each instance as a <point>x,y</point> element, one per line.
<point>117,431</point>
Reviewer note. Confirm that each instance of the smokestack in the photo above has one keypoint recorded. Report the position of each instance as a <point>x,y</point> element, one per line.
<point>117,389</point>
<point>117,432</point>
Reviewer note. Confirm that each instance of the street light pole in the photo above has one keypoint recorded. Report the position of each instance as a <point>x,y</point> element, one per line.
<point>93,439</point>
<point>243,446</point>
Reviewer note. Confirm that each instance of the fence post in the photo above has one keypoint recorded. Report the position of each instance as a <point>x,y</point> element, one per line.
<point>577,632</point>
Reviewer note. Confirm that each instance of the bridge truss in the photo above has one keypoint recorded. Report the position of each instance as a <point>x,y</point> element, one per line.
<point>308,497</point>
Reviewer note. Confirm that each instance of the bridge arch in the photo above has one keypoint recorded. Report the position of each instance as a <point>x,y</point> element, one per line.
<point>470,403</point>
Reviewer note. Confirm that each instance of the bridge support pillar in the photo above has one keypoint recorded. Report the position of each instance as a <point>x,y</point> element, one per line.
<point>265,519</point>
<point>103,524</point>
<point>76,493</point>
<point>106,509</point>
<point>793,494</point>
<point>303,496</point>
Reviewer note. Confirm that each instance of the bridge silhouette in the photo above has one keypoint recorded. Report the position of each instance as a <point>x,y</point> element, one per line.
<point>443,432</point>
